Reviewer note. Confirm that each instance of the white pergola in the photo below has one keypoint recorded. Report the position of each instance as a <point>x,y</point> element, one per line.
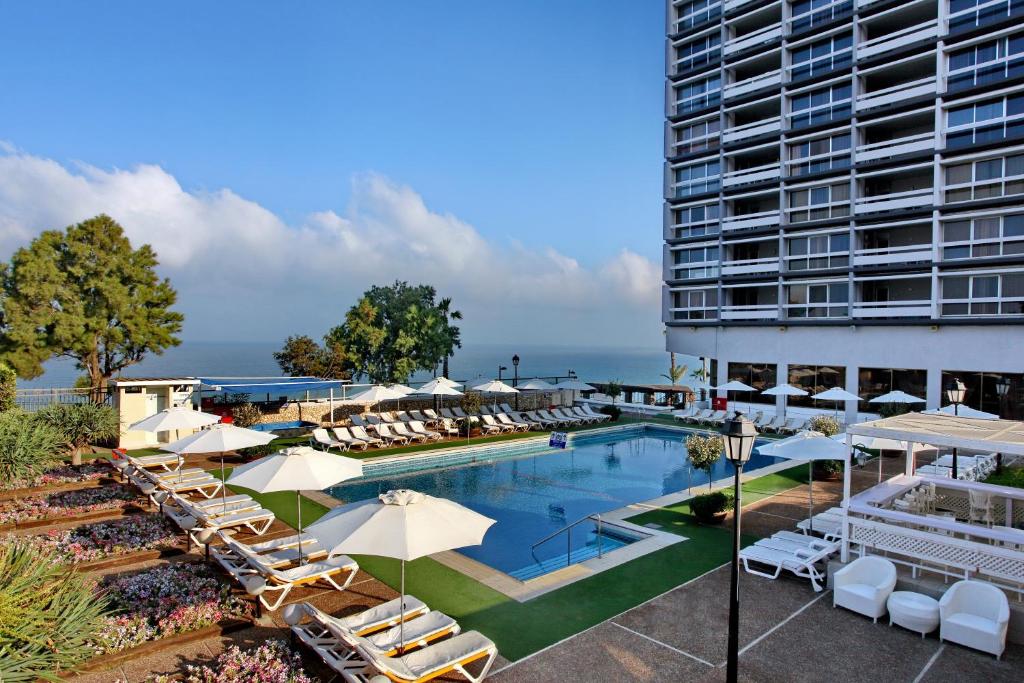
<point>966,549</point>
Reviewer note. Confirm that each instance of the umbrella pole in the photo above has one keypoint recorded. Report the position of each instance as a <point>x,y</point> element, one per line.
<point>223,485</point>
<point>401,615</point>
<point>810,493</point>
<point>298,509</point>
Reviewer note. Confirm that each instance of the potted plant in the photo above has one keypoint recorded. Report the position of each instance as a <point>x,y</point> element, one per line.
<point>712,508</point>
<point>826,470</point>
<point>704,451</point>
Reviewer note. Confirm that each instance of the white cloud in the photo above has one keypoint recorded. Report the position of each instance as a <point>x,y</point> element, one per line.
<point>242,272</point>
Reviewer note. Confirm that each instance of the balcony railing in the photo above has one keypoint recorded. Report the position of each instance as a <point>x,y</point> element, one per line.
<point>757,312</point>
<point>749,130</point>
<point>910,253</point>
<point>894,201</point>
<point>751,266</point>
<point>917,308</point>
<point>730,5</point>
<point>892,148</point>
<point>753,84</point>
<point>896,40</point>
<point>984,13</point>
<point>897,93</point>
<point>756,174</point>
<point>761,37</point>
<point>752,220</point>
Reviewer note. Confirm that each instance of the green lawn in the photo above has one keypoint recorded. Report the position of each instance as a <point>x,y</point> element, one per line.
<point>1010,476</point>
<point>520,629</point>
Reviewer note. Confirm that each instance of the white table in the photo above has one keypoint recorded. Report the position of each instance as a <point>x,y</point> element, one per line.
<point>913,611</point>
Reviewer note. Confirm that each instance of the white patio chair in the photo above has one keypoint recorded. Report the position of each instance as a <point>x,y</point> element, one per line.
<point>452,655</point>
<point>360,433</point>
<point>384,432</point>
<point>323,439</point>
<point>981,507</point>
<point>864,586</point>
<point>417,428</point>
<point>516,425</point>
<point>342,434</point>
<point>402,429</point>
<point>975,614</point>
<point>490,426</point>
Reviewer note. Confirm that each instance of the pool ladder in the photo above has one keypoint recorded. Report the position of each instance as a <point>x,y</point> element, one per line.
<point>567,530</point>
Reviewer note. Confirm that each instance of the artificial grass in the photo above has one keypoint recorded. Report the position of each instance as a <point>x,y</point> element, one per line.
<point>1010,476</point>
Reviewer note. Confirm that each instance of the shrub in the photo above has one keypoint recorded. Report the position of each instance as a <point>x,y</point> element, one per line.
<point>893,409</point>
<point>614,411</point>
<point>246,415</point>
<point>613,390</point>
<point>826,424</point>
<point>471,402</point>
<point>706,506</point>
<point>49,615</point>
<point>704,451</point>
<point>27,449</point>
<point>80,424</point>
<point>8,387</point>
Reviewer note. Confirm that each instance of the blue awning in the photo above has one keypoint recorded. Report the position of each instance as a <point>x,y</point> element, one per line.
<point>269,385</point>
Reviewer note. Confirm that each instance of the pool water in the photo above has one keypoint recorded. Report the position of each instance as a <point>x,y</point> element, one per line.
<point>536,493</point>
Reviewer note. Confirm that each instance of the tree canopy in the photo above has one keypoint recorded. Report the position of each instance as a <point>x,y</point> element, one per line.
<point>84,293</point>
<point>302,356</point>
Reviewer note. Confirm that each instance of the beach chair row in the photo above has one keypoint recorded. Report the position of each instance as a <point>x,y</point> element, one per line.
<point>765,422</point>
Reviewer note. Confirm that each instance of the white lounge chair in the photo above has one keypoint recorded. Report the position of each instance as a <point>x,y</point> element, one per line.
<point>322,439</point>
<point>802,563</point>
<point>449,427</point>
<point>599,417</point>
<point>231,553</point>
<point>342,434</point>
<point>448,656</point>
<point>975,614</point>
<point>589,411</point>
<point>829,524</point>
<point>358,421</point>
<point>793,425</point>
<point>516,425</point>
<point>569,417</point>
<point>542,421</point>
<point>716,418</point>
<point>506,408</point>
<point>384,432</point>
<point>432,417</point>
<point>557,420</point>
<point>360,433</point>
<point>166,461</point>
<point>490,426</point>
<point>418,428</point>
<point>192,518</point>
<point>402,429</point>
<point>864,586</point>
<point>282,581</point>
<point>763,421</point>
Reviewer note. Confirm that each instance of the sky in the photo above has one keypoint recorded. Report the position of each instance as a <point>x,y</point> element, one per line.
<point>283,157</point>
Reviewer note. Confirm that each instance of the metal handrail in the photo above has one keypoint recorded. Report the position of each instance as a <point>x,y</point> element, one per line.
<point>567,529</point>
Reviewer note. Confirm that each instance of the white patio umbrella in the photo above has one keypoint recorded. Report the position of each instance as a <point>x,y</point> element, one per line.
<point>784,390</point>
<point>403,525</point>
<point>175,419</point>
<point>495,387</point>
<point>806,446</point>
<point>962,411</point>
<point>574,385</point>
<point>896,397</point>
<point>445,380</point>
<point>536,384</point>
<point>376,394</point>
<point>836,394</point>
<point>436,387</point>
<point>299,468</point>
<point>734,385</point>
<point>220,438</point>
<point>878,443</point>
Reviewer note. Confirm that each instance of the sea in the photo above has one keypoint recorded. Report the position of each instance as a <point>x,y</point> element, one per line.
<point>472,362</point>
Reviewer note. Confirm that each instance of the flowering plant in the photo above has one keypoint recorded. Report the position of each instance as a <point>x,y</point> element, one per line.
<point>272,662</point>
<point>64,474</point>
<point>66,504</point>
<point>163,601</point>
<point>91,542</point>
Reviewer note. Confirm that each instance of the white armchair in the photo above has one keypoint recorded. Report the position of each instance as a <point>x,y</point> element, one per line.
<point>864,585</point>
<point>975,614</point>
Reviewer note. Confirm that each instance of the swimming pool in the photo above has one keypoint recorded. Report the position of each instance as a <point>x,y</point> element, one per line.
<point>533,491</point>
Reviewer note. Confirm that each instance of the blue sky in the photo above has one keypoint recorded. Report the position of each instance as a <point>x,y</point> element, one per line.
<point>537,123</point>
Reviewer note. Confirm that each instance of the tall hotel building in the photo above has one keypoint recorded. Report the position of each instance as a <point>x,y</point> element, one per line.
<point>845,195</point>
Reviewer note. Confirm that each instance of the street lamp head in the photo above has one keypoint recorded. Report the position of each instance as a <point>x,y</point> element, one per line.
<point>515,360</point>
<point>956,391</point>
<point>502,368</point>
<point>1003,386</point>
<point>739,434</point>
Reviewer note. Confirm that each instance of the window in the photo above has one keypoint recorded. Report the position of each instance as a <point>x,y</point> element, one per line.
<point>815,379</point>
<point>695,304</point>
<point>761,376</point>
<point>983,391</point>
<point>693,263</point>
<point>989,62</point>
<point>696,179</point>
<point>988,294</point>
<point>984,179</point>
<point>822,56</point>
<point>966,14</point>
<point>808,13</point>
<point>699,52</point>
<point>981,237</point>
<point>700,94</point>
<point>818,203</point>
<point>818,251</point>
<point>825,300</point>
<point>820,155</point>
<point>873,382</point>
<point>985,121</point>
<point>695,13</point>
<point>697,137</point>
<point>694,221</point>
<point>826,104</point>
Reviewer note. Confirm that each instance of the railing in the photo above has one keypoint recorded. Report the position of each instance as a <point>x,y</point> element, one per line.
<point>751,220</point>
<point>749,130</point>
<point>753,84</point>
<point>567,530</point>
<point>894,200</point>
<point>983,13</point>
<point>748,266</point>
<point>903,254</point>
<point>897,93</point>
<point>751,175</point>
<point>891,148</point>
<point>730,5</point>
<point>916,308</point>
<point>755,312</point>
<point>898,39</point>
<point>765,35</point>
<point>32,400</point>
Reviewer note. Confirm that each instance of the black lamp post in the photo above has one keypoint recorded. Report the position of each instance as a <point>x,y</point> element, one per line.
<point>515,379</point>
<point>955,392</point>
<point>1003,391</point>
<point>739,434</point>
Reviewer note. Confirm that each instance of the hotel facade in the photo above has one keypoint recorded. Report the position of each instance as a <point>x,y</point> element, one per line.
<point>844,187</point>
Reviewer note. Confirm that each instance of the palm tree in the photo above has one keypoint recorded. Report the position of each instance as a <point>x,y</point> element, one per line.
<point>454,341</point>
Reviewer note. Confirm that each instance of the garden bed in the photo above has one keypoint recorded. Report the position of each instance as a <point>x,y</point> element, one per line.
<point>78,505</point>
<point>94,546</point>
<point>63,478</point>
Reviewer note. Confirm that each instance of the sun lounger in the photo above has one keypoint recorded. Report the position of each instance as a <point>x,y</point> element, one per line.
<point>231,554</point>
<point>802,563</point>
<point>523,417</point>
<point>207,486</point>
<point>829,524</point>
<point>384,616</point>
<point>776,424</point>
<point>573,419</point>
<point>794,425</point>
<point>192,518</point>
<point>791,541</point>
<point>448,413</point>
<point>715,418</point>
<point>282,581</point>
<point>599,417</point>
<point>358,421</point>
<point>448,656</point>
<point>572,411</point>
<point>558,421</point>
<point>343,435</point>
<point>402,430</point>
<point>590,411</point>
<point>360,433</point>
<point>449,427</point>
<point>373,419</point>
<point>166,461</point>
<point>490,426</point>
<point>432,417</point>
<point>322,439</point>
<point>516,425</point>
<point>506,408</point>
<point>764,421</point>
<point>420,416</point>
<point>699,416</point>
<point>461,414</point>
<point>420,430</point>
<point>485,410</point>
<point>403,416</point>
<point>542,421</point>
<point>384,432</point>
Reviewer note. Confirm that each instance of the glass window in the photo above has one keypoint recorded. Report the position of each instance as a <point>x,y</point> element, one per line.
<point>961,173</point>
<point>985,287</point>
<point>988,170</point>
<point>956,231</point>
<point>873,382</point>
<point>761,376</point>
<point>955,287</point>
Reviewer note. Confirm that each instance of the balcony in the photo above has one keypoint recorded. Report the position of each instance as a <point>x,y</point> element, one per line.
<point>894,41</point>
<point>892,148</point>
<point>751,266</point>
<point>911,253</point>
<point>753,84</point>
<point>747,176</point>
<point>916,308</point>
<point>754,39</point>
<point>752,220</point>
<point>894,201</point>
<point>750,130</point>
<point>755,312</point>
<point>895,94</point>
<point>730,5</point>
